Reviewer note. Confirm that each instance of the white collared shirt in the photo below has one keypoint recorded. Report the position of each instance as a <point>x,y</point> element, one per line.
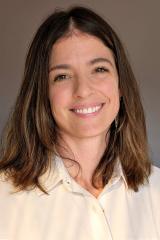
<point>70,212</point>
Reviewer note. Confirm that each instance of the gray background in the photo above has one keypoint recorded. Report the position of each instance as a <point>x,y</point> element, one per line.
<point>136,22</point>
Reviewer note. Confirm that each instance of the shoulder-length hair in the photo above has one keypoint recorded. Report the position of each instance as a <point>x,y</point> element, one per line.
<point>31,133</point>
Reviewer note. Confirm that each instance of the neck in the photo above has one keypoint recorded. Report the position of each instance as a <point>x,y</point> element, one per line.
<point>87,152</point>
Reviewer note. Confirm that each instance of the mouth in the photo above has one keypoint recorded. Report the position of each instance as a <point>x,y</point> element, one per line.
<point>86,111</point>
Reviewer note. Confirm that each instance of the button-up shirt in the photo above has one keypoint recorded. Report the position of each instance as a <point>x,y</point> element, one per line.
<point>70,212</point>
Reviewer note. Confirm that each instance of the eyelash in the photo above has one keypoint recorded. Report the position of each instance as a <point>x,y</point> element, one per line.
<point>58,77</point>
<point>103,70</point>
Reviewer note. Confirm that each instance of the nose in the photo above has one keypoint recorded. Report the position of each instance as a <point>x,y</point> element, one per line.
<point>83,88</point>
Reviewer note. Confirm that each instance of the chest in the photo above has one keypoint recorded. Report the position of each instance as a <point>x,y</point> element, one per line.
<point>65,215</point>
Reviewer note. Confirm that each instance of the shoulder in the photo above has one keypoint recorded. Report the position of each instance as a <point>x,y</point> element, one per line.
<point>154,181</point>
<point>6,187</point>
<point>155,175</point>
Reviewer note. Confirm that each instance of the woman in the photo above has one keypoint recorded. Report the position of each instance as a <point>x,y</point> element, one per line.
<point>75,161</point>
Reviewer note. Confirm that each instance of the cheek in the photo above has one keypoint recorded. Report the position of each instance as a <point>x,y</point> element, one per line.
<point>110,89</point>
<point>58,98</point>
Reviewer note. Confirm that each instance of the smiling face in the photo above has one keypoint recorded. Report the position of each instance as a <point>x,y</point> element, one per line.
<point>83,86</point>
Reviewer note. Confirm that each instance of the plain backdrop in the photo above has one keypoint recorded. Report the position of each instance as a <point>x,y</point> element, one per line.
<point>136,22</point>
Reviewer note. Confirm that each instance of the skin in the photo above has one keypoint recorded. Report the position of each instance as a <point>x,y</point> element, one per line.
<point>80,85</point>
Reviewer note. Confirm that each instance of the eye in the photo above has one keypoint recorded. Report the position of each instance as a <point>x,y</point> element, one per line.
<point>61,77</point>
<point>101,70</point>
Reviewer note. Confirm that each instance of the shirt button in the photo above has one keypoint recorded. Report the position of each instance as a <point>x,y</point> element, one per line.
<point>95,209</point>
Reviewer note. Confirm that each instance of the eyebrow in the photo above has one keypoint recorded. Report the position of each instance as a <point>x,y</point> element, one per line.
<point>91,62</point>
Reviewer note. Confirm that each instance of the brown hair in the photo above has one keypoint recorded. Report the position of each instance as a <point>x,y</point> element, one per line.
<point>31,134</point>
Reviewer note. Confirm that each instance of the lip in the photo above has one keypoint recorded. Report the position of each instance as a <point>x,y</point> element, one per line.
<point>88,105</point>
<point>87,115</point>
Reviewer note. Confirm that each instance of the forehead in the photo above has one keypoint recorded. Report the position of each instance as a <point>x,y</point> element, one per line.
<point>79,45</point>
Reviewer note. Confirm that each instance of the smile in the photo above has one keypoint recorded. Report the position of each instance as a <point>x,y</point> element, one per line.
<point>88,110</point>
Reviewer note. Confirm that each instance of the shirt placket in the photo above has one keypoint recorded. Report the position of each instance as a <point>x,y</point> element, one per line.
<point>99,221</point>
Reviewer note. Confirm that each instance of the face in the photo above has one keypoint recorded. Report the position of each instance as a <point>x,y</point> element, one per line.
<point>83,86</point>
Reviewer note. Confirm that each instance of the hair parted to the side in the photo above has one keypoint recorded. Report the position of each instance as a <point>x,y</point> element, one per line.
<point>31,134</point>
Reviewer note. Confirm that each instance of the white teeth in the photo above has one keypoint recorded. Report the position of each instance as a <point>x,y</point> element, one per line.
<point>88,110</point>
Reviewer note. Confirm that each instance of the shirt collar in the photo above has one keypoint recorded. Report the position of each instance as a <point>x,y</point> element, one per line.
<point>118,173</point>
<point>51,178</point>
<point>58,173</point>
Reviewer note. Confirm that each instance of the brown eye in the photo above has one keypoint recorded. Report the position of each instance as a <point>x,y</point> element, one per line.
<point>61,77</point>
<point>101,70</point>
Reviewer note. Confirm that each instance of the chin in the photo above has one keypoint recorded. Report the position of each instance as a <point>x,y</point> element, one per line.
<point>89,133</point>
